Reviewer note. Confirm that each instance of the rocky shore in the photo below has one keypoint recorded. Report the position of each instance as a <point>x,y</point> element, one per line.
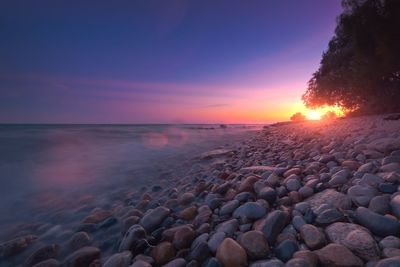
<point>304,194</point>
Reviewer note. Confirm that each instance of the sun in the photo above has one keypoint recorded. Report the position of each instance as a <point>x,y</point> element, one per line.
<point>314,115</point>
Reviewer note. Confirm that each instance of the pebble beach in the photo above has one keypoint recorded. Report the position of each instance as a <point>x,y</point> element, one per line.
<point>314,193</point>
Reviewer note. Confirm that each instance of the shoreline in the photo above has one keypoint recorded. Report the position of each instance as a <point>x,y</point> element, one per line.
<point>297,194</point>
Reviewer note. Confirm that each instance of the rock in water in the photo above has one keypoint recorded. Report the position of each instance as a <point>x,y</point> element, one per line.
<point>231,254</point>
<point>42,254</point>
<point>97,216</point>
<point>82,257</point>
<point>15,246</point>
<point>163,253</point>
<point>122,259</point>
<point>378,224</point>
<point>153,218</point>
<point>132,237</point>
<point>337,255</point>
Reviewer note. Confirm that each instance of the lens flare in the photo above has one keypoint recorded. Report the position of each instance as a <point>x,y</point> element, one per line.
<point>314,115</point>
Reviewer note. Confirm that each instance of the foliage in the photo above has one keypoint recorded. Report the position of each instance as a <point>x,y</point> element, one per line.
<point>298,117</point>
<point>360,71</point>
<point>329,115</point>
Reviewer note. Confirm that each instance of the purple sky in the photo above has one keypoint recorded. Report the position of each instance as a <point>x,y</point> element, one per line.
<point>159,61</point>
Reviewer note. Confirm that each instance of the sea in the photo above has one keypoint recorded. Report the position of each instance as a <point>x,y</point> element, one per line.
<point>45,169</point>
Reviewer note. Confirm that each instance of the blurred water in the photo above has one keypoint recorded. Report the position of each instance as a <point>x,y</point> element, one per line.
<point>44,168</point>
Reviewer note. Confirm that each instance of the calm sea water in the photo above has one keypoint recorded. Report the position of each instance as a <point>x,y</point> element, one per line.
<point>45,168</point>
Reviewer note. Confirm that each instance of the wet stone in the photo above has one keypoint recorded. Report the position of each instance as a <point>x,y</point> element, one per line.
<point>82,257</point>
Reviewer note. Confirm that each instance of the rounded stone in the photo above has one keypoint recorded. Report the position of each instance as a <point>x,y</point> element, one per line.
<point>250,210</point>
<point>153,218</point>
<point>230,253</point>
<point>268,194</point>
<point>354,237</point>
<point>390,242</point>
<point>82,257</point>
<point>337,255</point>
<point>293,184</point>
<point>122,259</point>
<point>255,244</point>
<point>376,223</point>
<point>163,252</point>
<point>312,236</point>
<point>285,250</point>
<point>183,237</point>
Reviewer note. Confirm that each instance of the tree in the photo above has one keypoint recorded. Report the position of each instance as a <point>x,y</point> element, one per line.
<point>329,115</point>
<point>360,71</point>
<point>298,117</point>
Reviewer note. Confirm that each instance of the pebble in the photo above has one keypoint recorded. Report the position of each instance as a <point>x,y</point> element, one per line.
<point>15,246</point>
<point>179,262</point>
<point>230,253</point>
<point>285,250</point>
<point>339,178</point>
<point>228,227</point>
<point>306,191</point>
<point>356,238</point>
<point>376,223</point>
<point>78,240</point>
<point>183,237</point>
<point>140,263</point>
<point>395,206</point>
<point>329,216</point>
<point>267,193</point>
<point>42,254</point>
<point>188,213</point>
<point>329,197</point>
<point>380,204</point>
<point>122,259</point>
<point>293,184</point>
<point>361,194</point>
<point>132,237</point>
<point>255,244</point>
<point>337,255</point>
<point>312,236</point>
<point>82,257</point>
<point>153,218</point>
<point>247,184</point>
<point>163,252</point>
<point>48,263</point>
<point>273,224</point>
<point>389,262</point>
<point>229,207</point>
<point>97,216</point>
<point>389,242</point>
<point>199,251</point>
<point>268,263</point>
<point>310,257</point>
<point>215,240</point>
<point>250,210</point>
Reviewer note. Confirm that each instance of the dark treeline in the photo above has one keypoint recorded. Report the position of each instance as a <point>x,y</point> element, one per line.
<point>360,71</point>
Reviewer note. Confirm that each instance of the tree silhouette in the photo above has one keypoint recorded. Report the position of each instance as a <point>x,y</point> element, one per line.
<point>360,71</point>
<point>298,117</point>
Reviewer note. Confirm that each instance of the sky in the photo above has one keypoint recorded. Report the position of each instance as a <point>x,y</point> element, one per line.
<point>148,61</point>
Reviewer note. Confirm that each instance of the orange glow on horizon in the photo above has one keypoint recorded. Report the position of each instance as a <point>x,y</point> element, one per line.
<point>313,115</point>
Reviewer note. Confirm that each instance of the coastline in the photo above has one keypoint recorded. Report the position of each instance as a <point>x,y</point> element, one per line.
<point>297,194</point>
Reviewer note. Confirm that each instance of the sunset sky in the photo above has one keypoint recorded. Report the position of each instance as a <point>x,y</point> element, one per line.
<point>159,61</point>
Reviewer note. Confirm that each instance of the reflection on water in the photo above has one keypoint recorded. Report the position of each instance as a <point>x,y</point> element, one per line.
<point>51,169</point>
